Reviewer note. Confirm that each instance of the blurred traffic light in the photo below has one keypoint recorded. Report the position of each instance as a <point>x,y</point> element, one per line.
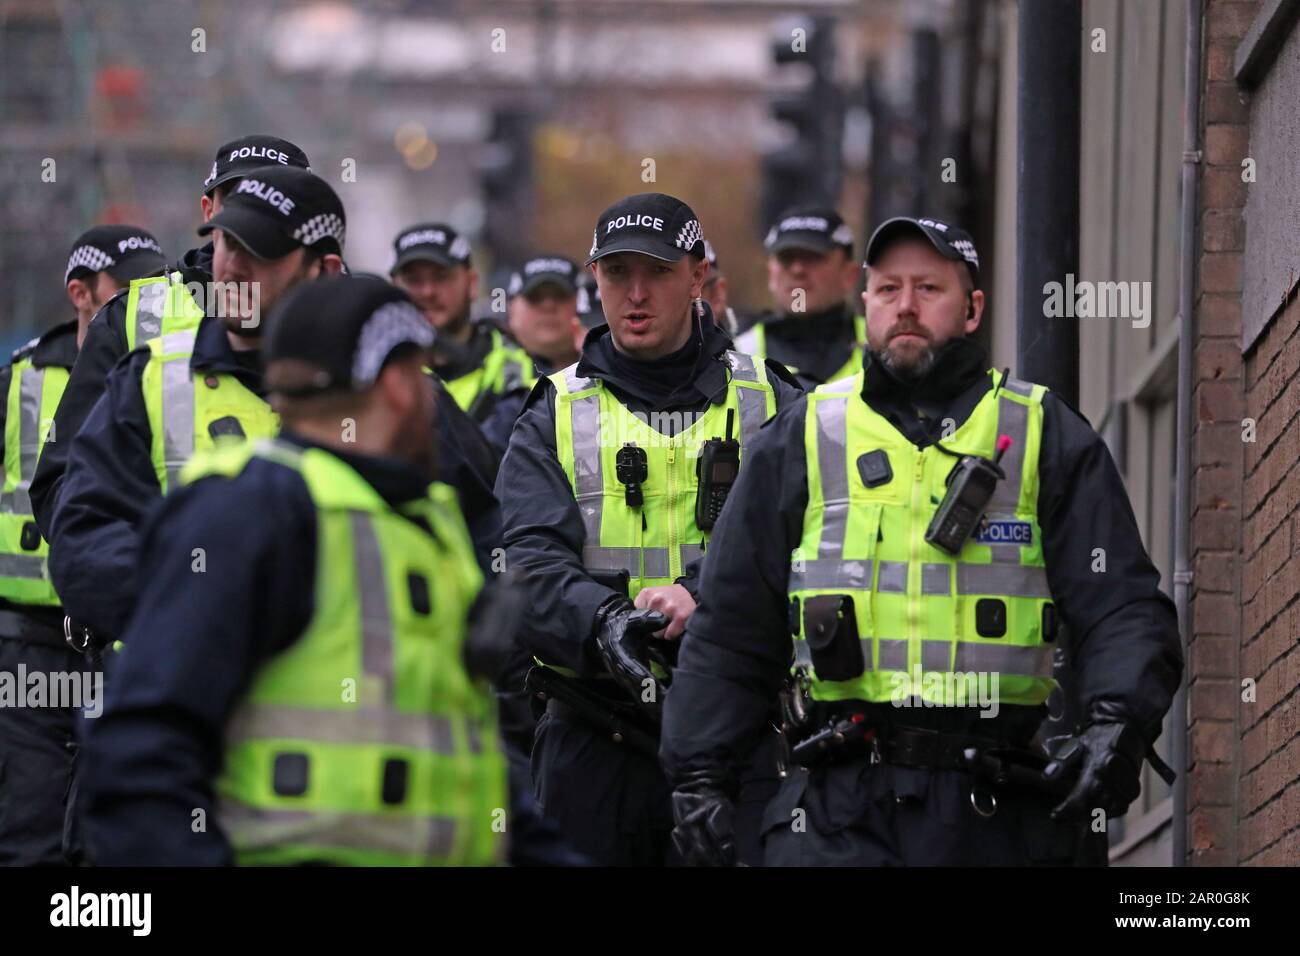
<point>807,165</point>
<point>505,177</point>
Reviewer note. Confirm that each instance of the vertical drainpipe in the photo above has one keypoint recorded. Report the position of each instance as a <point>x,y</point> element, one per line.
<point>1048,147</point>
<point>1047,209</point>
<point>1183,435</point>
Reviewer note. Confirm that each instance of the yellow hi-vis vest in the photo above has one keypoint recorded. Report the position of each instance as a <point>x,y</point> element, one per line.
<point>753,341</point>
<point>366,742</point>
<point>184,408</point>
<point>655,542</point>
<point>504,368</point>
<point>921,618</point>
<point>34,394</point>
<point>158,306</point>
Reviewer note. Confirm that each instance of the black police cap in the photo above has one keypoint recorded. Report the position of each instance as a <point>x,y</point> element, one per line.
<point>653,224</point>
<point>949,240</point>
<point>239,156</point>
<point>275,209</point>
<point>124,252</point>
<point>342,330</point>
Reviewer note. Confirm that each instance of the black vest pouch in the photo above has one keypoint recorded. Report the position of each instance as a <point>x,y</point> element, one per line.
<point>831,629</point>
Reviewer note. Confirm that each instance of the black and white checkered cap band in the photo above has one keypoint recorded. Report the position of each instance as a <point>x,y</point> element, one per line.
<point>87,257</point>
<point>388,327</point>
<point>318,227</point>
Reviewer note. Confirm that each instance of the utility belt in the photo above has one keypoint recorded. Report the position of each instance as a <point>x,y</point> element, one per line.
<point>17,626</point>
<point>844,733</point>
<point>590,703</point>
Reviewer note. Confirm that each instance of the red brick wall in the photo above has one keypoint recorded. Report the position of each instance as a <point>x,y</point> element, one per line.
<point>1227,525</point>
<point>1269,758</point>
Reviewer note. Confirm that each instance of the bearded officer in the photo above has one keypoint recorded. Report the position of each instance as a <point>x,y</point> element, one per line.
<point>488,375</point>
<point>899,757</point>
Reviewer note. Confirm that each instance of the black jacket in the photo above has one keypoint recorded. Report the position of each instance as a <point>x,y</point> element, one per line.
<point>814,346</point>
<point>494,413</point>
<point>543,528</point>
<point>1122,630</point>
<point>110,485</point>
<point>104,346</point>
<point>194,644</point>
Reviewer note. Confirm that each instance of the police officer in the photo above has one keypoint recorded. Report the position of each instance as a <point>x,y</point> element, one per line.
<point>544,312</point>
<point>599,492</point>
<point>717,294</point>
<point>37,743</point>
<point>811,273</point>
<point>178,393</point>
<point>327,702</point>
<point>128,319</point>
<point>488,376</point>
<point>922,650</point>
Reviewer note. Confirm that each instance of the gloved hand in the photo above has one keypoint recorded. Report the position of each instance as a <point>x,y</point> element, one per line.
<point>621,634</point>
<point>703,811</point>
<point>1107,756</point>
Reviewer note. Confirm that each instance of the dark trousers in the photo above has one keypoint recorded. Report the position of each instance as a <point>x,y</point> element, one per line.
<point>37,753</point>
<point>861,814</point>
<point>613,803</point>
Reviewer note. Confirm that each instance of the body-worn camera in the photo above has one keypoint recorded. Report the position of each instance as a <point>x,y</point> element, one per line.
<point>632,468</point>
<point>717,470</point>
<point>971,484</point>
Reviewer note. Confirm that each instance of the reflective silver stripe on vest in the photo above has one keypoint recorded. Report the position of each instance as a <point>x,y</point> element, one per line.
<point>1019,387</point>
<point>372,590</point>
<point>654,562</point>
<point>936,579</point>
<point>1013,421</point>
<point>742,367</point>
<point>31,386</point>
<point>177,417</point>
<point>1004,659</point>
<point>588,481</point>
<point>22,566</point>
<point>573,381</point>
<point>1007,580</point>
<point>892,577</point>
<point>832,463</point>
<point>752,402</point>
<point>936,655</point>
<point>253,828</point>
<point>691,552</point>
<point>630,559</point>
<point>612,559</point>
<point>828,573</point>
<point>369,726</point>
<point>753,412</point>
<point>893,654</point>
<point>149,306</point>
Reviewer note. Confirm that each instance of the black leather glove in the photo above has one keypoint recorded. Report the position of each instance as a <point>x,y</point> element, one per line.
<point>702,809</point>
<point>1107,756</point>
<point>621,634</point>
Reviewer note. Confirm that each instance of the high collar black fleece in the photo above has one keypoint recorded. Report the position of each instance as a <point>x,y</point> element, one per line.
<point>949,390</point>
<point>689,377</point>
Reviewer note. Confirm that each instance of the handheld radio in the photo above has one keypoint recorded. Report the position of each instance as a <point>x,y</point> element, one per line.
<point>971,484</point>
<point>717,469</point>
